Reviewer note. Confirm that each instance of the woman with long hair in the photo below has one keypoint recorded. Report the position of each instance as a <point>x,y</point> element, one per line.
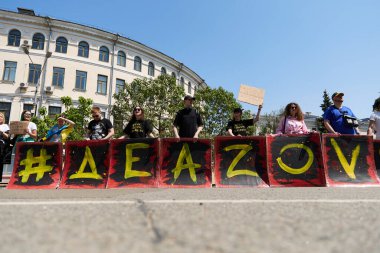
<point>138,126</point>
<point>292,121</point>
<point>30,134</point>
<point>374,120</point>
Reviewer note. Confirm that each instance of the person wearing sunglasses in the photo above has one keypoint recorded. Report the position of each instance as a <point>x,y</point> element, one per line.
<point>138,127</point>
<point>99,128</point>
<point>292,121</point>
<point>30,133</point>
<point>188,120</point>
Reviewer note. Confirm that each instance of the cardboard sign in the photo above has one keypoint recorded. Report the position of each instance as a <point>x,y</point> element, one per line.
<point>86,164</point>
<point>251,95</point>
<point>185,163</point>
<point>37,165</point>
<point>295,160</point>
<point>240,161</point>
<point>348,160</point>
<point>133,163</point>
<point>376,150</point>
<point>18,127</point>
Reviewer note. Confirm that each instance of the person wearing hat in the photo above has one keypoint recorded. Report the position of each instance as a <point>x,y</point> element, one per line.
<point>188,120</point>
<point>374,120</point>
<point>335,117</point>
<point>237,126</point>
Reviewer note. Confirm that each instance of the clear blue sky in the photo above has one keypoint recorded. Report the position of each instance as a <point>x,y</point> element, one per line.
<point>294,49</point>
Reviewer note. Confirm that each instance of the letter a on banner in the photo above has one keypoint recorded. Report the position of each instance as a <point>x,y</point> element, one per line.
<point>349,160</point>
<point>185,163</point>
<point>36,166</point>
<point>133,163</point>
<point>295,160</point>
<point>86,164</point>
<point>240,161</point>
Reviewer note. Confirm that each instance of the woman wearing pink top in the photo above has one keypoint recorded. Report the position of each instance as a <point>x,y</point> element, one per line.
<point>293,121</point>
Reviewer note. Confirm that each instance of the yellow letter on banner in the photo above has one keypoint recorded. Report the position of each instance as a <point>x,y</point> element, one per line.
<point>88,158</point>
<point>130,159</point>
<point>245,148</point>
<point>185,155</point>
<point>302,169</point>
<point>349,168</point>
<point>39,170</point>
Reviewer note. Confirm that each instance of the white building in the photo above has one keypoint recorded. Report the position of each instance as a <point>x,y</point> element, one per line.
<point>43,59</point>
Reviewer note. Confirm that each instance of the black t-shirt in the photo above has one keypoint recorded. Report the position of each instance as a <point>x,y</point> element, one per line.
<point>99,128</point>
<point>138,128</point>
<point>239,127</point>
<point>187,120</point>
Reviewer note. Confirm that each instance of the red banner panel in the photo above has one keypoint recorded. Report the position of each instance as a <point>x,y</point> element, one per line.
<point>349,160</point>
<point>240,161</point>
<point>37,165</point>
<point>133,163</point>
<point>185,163</point>
<point>376,150</point>
<point>295,160</point>
<point>86,165</point>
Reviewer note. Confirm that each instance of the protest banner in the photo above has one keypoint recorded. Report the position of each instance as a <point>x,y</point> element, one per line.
<point>133,163</point>
<point>240,162</point>
<point>37,165</point>
<point>251,95</point>
<point>295,160</point>
<point>376,150</point>
<point>18,127</point>
<point>185,163</point>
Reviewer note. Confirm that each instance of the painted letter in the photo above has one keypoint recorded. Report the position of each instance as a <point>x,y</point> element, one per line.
<point>185,155</point>
<point>88,158</point>
<point>293,170</point>
<point>130,159</point>
<point>245,148</point>
<point>40,169</point>
<point>349,168</point>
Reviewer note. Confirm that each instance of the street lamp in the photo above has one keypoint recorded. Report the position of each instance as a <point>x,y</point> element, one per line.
<point>25,48</point>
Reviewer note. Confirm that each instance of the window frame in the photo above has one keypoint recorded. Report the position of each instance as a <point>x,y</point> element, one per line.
<point>101,85</point>
<point>58,77</point>
<point>15,38</point>
<point>83,47</point>
<point>81,78</point>
<point>121,58</point>
<point>38,41</point>
<point>9,70</point>
<point>36,73</point>
<point>137,62</point>
<point>63,45</point>
<point>104,54</point>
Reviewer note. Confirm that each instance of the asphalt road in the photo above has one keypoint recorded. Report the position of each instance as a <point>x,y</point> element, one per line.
<point>191,220</point>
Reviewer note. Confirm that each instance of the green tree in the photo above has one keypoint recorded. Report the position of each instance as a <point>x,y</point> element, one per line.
<point>43,122</point>
<point>269,122</point>
<point>216,107</point>
<point>326,101</point>
<point>160,98</point>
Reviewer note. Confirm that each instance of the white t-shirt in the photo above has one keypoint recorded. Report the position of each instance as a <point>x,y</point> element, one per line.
<point>3,128</point>
<point>375,116</point>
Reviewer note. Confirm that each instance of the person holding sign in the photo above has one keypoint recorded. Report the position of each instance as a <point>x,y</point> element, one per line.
<point>374,120</point>
<point>30,132</point>
<point>339,119</point>
<point>60,131</point>
<point>138,127</point>
<point>237,126</point>
<point>188,120</point>
<point>292,121</point>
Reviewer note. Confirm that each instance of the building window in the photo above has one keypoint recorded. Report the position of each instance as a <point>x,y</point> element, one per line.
<point>121,58</point>
<point>102,85</point>
<point>104,54</point>
<point>54,110</point>
<point>5,108</point>
<point>58,77</point>
<point>34,73</point>
<point>83,49</point>
<point>189,88</point>
<point>28,107</point>
<point>182,82</point>
<point>80,81</point>
<point>173,75</point>
<point>151,69</point>
<point>14,38</point>
<point>163,71</point>
<point>120,84</point>
<point>195,89</point>
<point>38,41</point>
<point>61,45</point>
<point>9,71</point>
<point>137,65</point>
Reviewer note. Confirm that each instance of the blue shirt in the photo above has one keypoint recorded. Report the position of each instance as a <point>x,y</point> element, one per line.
<point>335,116</point>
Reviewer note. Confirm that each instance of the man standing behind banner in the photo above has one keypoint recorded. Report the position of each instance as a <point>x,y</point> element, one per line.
<point>339,119</point>
<point>98,128</point>
<point>188,120</point>
<point>237,126</point>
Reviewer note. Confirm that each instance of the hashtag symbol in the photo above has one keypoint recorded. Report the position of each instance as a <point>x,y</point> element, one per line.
<point>40,169</point>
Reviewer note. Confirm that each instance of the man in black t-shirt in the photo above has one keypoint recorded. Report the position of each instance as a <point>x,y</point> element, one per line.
<point>188,120</point>
<point>98,128</point>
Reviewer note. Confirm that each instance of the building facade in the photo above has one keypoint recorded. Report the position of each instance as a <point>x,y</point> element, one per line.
<point>43,59</point>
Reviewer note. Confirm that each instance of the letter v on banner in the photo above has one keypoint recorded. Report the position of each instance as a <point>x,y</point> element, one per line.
<point>349,160</point>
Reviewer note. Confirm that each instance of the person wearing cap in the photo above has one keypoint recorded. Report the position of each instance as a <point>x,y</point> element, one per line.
<point>374,120</point>
<point>237,126</point>
<point>188,120</point>
<point>60,131</point>
<point>292,121</point>
<point>334,116</point>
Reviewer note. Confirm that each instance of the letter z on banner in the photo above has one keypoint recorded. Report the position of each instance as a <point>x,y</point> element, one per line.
<point>185,163</point>
<point>349,160</point>
<point>37,165</point>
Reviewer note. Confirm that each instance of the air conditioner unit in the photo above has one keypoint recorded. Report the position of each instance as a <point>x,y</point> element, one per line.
<point>49,90</point>
<point>23,87</point>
